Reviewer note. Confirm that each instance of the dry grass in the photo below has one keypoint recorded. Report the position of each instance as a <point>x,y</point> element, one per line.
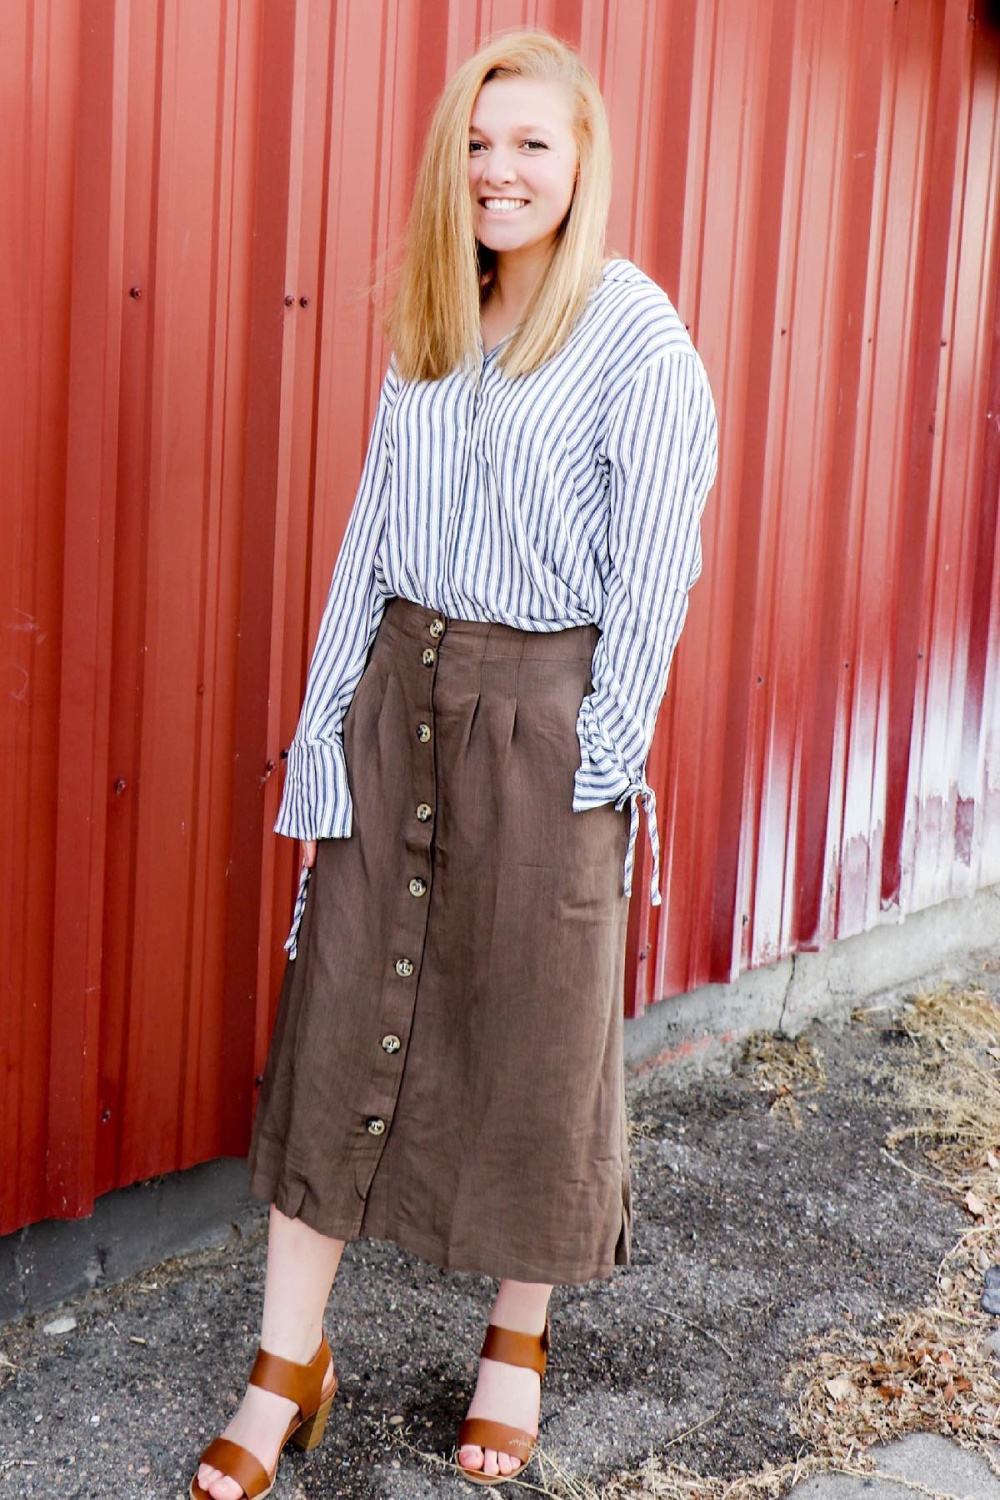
<point>929,1372</point>
<point>785,1068</point>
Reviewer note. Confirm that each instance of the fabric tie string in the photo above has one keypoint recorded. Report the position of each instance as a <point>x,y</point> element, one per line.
<point>292,940</point>
<point>635,794</point>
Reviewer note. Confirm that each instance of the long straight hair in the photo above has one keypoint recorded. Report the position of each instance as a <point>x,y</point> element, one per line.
<point>434,323</point>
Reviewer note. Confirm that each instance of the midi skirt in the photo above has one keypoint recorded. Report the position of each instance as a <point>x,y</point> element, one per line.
<point>446,1065</point>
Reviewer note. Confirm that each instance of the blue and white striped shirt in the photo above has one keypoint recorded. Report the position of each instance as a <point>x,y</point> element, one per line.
<point>568,496</point>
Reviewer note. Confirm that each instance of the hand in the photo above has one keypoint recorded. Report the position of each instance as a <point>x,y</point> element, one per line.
<point>309,852</point>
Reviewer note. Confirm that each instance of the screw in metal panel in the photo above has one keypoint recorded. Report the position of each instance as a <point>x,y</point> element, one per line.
<point>119,786</point>
<point>303,301</point>
<point>135,292</point>
<point>289,300</point>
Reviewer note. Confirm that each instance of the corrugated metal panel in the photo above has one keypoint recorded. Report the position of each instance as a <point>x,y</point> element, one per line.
<point>39,62</point>
<point>129,960</point>
<point>815,183</point>
<point>845,305</point>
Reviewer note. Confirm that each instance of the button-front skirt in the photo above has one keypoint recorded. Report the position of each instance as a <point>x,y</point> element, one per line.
<point>446,1066</point>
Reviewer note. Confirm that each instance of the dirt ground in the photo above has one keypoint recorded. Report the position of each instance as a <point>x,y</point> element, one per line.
<point>762,1218</point>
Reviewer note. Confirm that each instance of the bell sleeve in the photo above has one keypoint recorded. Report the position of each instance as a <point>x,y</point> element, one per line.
<point>316,802</point>
<point>661,456</point>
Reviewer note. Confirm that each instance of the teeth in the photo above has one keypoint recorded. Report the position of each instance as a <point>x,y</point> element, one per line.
<point>504,205</point>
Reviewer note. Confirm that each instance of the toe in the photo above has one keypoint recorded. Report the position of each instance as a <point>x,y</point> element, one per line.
<point>471,1457</point>
<point>220,1486</point>
<point>227,1489</point>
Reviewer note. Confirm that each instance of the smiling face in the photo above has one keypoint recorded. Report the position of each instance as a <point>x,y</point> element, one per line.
<point>523,161</point>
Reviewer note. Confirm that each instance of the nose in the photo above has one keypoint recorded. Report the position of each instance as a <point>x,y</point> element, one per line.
<point>500,167</point>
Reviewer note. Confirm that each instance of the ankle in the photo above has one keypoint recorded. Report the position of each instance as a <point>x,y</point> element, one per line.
<point>297,1348</point>
<point>521,1306</point>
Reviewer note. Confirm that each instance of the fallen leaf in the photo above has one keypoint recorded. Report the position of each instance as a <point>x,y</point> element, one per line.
<point>976,1206</point>
<point>840,1387</point>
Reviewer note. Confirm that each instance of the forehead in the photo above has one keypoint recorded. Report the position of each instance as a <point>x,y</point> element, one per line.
<point>523,103</point>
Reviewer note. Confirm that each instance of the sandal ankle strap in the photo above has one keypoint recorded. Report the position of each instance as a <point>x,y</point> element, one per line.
<point>529,1351</point>
<point>302,1384</point>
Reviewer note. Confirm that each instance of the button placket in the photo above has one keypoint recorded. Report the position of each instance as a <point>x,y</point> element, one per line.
<point>407,934</point>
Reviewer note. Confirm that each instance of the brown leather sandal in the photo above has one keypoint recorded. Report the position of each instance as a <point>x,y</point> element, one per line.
<point>302,1384</point>
<point>530,1352</point>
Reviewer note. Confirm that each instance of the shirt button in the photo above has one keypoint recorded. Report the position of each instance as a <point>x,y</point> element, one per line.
<point>436,628</point>
<point>404,967</point>
<point>423,733</point>
<point>391,1044</point>
<point>418,887</point>
<point>375,1127</point>
<point>428,656</point>
<point>425,812</point>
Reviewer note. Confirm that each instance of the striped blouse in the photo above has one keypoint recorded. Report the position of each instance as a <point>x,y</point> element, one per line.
<point>568,496</point>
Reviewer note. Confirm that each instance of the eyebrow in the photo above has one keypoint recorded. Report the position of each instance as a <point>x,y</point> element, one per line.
<point>518,129</point>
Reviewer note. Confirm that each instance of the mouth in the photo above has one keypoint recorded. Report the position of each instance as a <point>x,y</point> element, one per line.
<point>503,205</point>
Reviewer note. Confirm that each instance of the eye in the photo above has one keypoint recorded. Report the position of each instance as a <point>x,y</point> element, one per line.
<point>476,147</point>
<point>535,145</point>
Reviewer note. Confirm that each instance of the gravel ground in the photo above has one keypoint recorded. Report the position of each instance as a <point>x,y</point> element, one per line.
<point>751,1236</point>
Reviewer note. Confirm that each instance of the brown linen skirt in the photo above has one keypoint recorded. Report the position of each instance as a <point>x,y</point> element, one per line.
<point>446,1066</point>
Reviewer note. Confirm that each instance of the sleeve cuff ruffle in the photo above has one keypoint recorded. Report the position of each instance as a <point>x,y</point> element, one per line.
<point>316,804</point>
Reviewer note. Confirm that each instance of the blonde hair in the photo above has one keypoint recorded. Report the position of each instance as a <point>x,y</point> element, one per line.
<point>434,323</point>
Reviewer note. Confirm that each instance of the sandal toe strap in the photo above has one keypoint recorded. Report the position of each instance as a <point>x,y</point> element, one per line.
<point>477,1432</point>
<point>239,1464</point>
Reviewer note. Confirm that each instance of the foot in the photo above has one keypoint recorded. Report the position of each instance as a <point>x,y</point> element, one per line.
<point>504,1393</point>
<point>259,1426</point>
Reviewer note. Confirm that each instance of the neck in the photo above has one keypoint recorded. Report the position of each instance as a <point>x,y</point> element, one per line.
<point>515,278</point>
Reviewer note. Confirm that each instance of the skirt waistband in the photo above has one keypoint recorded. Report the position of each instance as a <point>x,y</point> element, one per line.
<point>487,638</point>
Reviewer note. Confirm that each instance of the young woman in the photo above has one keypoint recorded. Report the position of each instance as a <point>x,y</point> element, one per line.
<point>446,1067</point>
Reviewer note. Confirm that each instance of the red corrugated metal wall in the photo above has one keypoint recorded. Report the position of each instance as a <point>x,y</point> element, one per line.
<point>203,200</point>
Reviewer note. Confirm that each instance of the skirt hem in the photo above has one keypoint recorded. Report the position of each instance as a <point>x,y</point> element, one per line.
<point>434,1251</point>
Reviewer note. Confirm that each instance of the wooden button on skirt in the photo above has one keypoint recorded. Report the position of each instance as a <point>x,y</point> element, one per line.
<point>446,1065</point>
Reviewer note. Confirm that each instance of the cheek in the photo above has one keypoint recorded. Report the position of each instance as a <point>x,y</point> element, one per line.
<point>566,192</point>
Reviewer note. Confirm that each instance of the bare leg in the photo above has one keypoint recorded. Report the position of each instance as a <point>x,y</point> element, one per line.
<point>506,1393</point>
<point>301,1265</point>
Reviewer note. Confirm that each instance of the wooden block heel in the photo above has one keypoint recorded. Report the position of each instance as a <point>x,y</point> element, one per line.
<point>311,1431</point>
<point>302,1384</point>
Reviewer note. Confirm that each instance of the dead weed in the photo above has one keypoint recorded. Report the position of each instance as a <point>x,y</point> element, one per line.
<point>786,1068</point>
